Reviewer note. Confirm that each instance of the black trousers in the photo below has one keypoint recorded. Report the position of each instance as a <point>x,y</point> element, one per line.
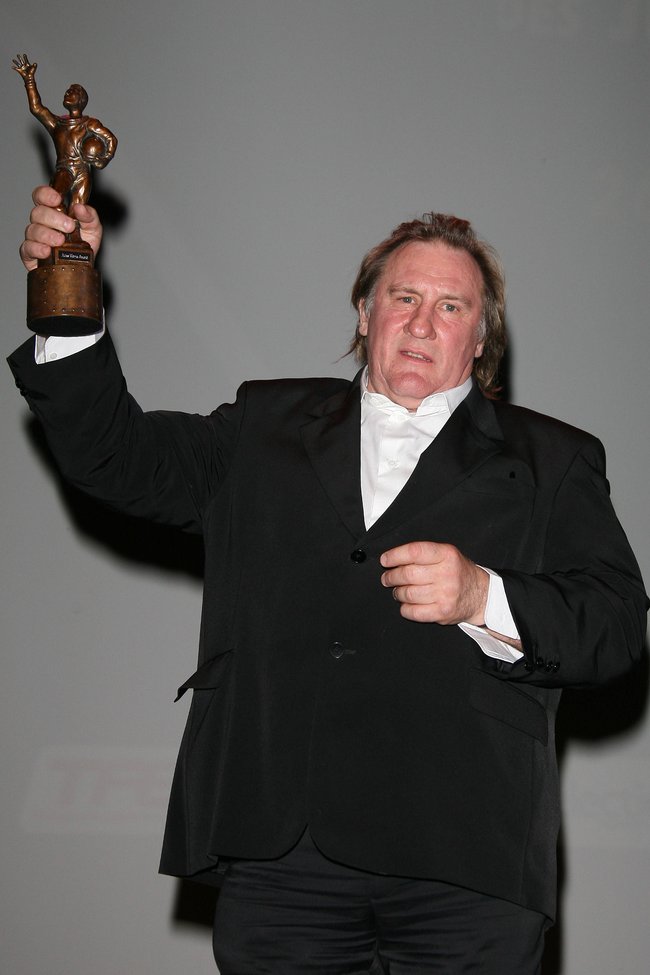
<point>305,914</point>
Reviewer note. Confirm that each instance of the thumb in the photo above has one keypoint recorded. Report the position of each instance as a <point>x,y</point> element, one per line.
<point>83,213</point>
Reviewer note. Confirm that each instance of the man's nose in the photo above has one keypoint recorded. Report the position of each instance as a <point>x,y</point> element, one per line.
<point>421,323</point>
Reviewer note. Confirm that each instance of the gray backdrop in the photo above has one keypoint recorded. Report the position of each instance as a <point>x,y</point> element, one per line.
<point>264,146</point>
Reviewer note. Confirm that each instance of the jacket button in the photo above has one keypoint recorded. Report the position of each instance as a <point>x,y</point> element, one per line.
<point>528,665</point>
<point>358,555</point>
<point>337,649</point>
<point>540,663</point>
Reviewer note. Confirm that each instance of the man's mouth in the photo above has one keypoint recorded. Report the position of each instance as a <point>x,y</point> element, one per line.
<point>418,356</point>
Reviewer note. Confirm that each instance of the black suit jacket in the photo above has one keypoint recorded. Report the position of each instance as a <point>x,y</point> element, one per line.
<point>405,749</point>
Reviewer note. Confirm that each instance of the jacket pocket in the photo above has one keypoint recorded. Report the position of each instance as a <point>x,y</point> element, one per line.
<point>210,686</point>
<point>508,704</point>
<point>209,675</point>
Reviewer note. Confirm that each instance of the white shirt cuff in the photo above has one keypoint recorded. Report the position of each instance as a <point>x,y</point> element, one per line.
<point>498,618</point>
<point>489,644</point>
<point>48,348</point>
<point>497,611</point>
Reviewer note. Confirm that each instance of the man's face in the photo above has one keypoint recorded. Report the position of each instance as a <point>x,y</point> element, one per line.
<point>72,98</point>
<point>422,328</point>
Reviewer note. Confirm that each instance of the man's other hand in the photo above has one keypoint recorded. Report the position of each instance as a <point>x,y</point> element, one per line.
<point>435,583</point>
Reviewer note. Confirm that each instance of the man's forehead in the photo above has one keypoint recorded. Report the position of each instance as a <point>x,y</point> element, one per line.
<point>432,258</point>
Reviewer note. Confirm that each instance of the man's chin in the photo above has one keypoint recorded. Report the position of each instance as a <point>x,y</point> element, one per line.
<point>413,387</point>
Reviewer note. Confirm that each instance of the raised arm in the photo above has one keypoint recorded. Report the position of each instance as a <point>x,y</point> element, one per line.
<point>27,71</point>
<point>159,466</point>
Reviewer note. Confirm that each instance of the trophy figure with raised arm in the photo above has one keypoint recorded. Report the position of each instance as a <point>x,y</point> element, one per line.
<point>64,293</point>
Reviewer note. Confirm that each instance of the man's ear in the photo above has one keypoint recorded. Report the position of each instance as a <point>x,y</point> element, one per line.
<point>363,318</point>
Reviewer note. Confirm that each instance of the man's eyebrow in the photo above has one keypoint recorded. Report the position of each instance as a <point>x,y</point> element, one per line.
<point>448,296</point>
<point>460,298</point>
<point>393,288</point>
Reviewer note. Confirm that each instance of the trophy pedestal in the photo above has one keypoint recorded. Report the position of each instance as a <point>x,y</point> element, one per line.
<point>64,293</point>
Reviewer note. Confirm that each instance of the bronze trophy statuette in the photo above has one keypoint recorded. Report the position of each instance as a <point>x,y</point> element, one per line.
<point>64,293</point>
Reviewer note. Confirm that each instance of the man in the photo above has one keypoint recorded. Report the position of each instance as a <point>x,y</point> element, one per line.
<point>390,613</point>
<point>79,140</point>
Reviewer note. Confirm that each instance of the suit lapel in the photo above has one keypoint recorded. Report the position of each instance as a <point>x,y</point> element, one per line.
<point>332,441</point>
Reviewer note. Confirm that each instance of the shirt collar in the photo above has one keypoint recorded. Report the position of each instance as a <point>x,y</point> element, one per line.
<point>445,402</point>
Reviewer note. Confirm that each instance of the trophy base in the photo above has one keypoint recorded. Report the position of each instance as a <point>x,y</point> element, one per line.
<point>64,293</point>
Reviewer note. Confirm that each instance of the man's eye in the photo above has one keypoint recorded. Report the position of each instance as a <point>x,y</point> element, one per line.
<point>407,299</point>
<point>449,307</point>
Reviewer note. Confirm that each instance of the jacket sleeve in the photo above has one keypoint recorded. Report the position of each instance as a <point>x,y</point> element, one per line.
<point>159,466</point>
<point>582,617</point>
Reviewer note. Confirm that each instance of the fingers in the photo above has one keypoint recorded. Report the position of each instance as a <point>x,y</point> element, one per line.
<point>422,597</point>
<point>43,233</point>
<point>415,563</point>
<point>423,553</point>
<point>89,224</point>
<point>410,575</point>
<point>21,64</point>
<point>48,225</point>
<point>31,252</point>
<point>434,582</point>
<point>46,196</point>
<point>419,580</point>
<point>86,215</point>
